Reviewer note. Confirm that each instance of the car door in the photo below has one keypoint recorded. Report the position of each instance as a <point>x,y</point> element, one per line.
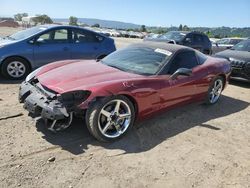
<point>50,46</point>
<point>183,88</point>
<point>85,44</point>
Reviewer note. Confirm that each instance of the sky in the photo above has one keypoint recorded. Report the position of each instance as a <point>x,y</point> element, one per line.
<point>209,13</point>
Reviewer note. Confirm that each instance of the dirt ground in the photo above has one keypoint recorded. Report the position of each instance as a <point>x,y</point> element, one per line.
<point>192,146</point>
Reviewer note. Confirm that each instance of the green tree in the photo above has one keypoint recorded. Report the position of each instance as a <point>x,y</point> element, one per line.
<point>143,28</point>
<point>42,19</point>
<point>19,16</point>
<point>96,25</point>
<point>180,27</point>
<point>73,20</point>
<point>185,28</point>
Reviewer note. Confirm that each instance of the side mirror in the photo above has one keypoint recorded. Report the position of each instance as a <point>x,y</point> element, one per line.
<point>40,41</point>
<point>181,71</point>
<point>99,38</point>
<point>187,40</point>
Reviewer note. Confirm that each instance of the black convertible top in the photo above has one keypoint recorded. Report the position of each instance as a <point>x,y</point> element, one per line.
<point>166,46</point>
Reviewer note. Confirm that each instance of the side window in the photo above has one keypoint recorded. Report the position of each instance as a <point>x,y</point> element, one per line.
<point>188,39</point>
<point>183,60</point>
<point>198,39</point>
<point>81,36</point>
<point>54,36</point>
<point>45,36</point>
<point>61,35</point>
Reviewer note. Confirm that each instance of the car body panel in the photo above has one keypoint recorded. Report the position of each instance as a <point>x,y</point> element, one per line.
<point>150,93</point>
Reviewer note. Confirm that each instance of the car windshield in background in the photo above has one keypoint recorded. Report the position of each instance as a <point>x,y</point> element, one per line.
<point>242,46</point>
<point>138,60</point>
<point>173,35</point>
<point>26,33</point>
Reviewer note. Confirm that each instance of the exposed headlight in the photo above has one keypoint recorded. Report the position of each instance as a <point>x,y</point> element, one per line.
<point>32,74</point>
<point>74,97</point>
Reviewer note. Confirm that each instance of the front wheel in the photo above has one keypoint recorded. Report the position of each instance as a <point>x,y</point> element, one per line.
<point>214,91</point>
<point>15,68</point>
<point>108,119</point>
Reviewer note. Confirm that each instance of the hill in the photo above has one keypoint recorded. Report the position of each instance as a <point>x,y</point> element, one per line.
<point>102,23</point>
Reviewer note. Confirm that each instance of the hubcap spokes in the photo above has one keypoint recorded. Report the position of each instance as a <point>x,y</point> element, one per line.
<point>114,118</point>
<point>216,91</point>
<point>16,69</point>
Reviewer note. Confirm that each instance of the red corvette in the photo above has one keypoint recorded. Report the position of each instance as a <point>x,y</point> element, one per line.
<point>129,84</point>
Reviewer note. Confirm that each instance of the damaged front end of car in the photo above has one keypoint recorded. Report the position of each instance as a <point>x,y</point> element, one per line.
<point>55,109</point>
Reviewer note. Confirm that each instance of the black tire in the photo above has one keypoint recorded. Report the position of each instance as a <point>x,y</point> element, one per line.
<point>94,113</point>
<point>21,61</point>
<point>208,97</point>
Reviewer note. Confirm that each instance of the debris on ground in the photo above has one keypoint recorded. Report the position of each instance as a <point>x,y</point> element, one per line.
<point>11,116</point>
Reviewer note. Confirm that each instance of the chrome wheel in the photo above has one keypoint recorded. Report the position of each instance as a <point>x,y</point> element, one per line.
<point>16,69</point>
<point>216,91</point>
<point>114,118</point>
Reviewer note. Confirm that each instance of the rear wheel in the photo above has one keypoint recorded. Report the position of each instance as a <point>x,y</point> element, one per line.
<point>110,118</point>
<point>15,68</point>
<point>214,91</point>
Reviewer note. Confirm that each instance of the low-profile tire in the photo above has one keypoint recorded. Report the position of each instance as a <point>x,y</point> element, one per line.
<point>214,91</point>
<point>110,118</point>
<point>15,68</point>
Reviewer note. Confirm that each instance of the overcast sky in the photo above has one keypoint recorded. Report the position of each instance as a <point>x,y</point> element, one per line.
<point>211,13</point>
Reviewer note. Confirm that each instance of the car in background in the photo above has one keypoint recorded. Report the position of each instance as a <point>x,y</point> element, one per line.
<point>130,84</point>
<point>193,39</point>
<point>32,48</point>
<point>239,57</point>
<point>224,44</point>
<point>151,36</point>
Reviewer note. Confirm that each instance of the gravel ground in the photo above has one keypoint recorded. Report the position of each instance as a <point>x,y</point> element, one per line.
<point>192,146</point>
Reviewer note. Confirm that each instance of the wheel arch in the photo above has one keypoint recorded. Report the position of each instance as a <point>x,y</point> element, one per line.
<point>134,102</point>
<point>129,97</point>
<point>18,56</point>
<point>224,79</point>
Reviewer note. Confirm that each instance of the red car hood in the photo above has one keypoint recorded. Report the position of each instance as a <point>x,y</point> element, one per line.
<point>79,75</point>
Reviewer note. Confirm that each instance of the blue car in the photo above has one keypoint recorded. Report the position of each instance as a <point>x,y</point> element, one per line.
<point>29,49</point>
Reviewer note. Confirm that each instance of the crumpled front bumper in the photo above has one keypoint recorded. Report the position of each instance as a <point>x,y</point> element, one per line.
<point>41,103</point>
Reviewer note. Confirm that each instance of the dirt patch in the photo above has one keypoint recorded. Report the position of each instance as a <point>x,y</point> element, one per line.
<point>192,146</point>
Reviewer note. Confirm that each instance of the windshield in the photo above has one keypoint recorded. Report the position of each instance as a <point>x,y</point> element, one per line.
<point>26,33</point>
<point>242,46</point>
<point>223,41</point>
<point>138,60</point>
<point>173,35</point>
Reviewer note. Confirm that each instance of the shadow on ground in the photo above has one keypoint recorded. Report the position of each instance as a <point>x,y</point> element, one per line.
<point>240,83</point>
<point>8,81</point>
<point>147,134</point>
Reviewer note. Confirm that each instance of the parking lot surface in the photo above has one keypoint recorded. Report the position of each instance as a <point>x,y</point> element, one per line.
<point>192,146</point>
